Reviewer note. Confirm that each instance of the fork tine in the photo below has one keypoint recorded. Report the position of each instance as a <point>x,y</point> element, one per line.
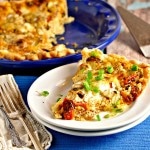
<point>11,97</point>
<point>5,100</point>
<point>16,93</point>
<point>10,87</point>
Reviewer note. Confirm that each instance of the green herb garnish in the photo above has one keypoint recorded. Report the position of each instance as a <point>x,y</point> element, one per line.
<point>101,71</point>
<point>87,82</point>
<point>95,89</point>
<point>86,85</point>
<point>110,69</point>
<point>98,117</point>
<point>89,75</point>
<point>94,54</point>
<point>118,110</point>
<point>134,68</point>
<point>100,75</point>
<point>97,78</point>
<point>58,99</point>
<point>107,116</point>
<point>44,93</point>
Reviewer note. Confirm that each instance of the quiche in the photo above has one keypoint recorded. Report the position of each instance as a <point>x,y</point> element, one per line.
<point>104,86</point>
<point>28,29</point>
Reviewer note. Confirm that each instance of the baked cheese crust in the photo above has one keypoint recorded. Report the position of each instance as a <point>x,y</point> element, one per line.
<point>103,84</point>
<point>28,29</point>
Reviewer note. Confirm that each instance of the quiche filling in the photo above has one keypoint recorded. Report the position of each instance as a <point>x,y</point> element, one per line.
<point>103,86</point>
<point>28,29</point>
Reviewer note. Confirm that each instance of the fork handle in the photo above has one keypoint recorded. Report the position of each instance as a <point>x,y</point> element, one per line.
<point>12,131</point>
<point>35,141</point>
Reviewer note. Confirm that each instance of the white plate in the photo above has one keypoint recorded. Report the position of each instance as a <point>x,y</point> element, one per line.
<point>58,81</point>
<point>94,133</point>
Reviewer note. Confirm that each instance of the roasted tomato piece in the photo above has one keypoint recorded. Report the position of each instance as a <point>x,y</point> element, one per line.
<point>84,105</point>
<point>68,107</point>
<point>130,79</point>
<point>129,98</point>
<point>68,115</point>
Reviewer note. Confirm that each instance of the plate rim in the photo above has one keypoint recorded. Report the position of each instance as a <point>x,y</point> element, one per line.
<point>94,133</point>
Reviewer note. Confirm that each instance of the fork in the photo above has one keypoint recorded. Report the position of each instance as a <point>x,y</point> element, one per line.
<point>12,101</point>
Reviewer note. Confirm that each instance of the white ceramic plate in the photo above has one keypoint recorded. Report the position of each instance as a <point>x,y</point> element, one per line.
<point>58,81</point>
<point>94,133</point>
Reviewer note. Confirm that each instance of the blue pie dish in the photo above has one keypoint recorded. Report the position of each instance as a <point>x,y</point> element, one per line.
<point>96,25</point>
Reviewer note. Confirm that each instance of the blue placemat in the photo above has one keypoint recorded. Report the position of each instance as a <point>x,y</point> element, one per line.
<point>137,138</point>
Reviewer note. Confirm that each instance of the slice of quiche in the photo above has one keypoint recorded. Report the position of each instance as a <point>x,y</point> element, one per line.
<point>103,84</point>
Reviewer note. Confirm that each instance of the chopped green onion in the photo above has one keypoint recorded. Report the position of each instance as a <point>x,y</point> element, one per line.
<point>100,75</point>
<point>134,68</point>
<point>94,54</point>
<point>88,80</point>
<point>118,110</point>
<point>86,86</point>
<point>107,116</point>
<point>95,89</point>
<point>110,69</point>
<point>89,74</point>
<point>58,99</point>
<point>101,71</point>
<point>44,93</point>
<point>97,78</point>
<point>98,117</point>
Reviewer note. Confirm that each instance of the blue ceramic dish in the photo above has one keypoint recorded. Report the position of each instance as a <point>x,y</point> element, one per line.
<point>96,25</point>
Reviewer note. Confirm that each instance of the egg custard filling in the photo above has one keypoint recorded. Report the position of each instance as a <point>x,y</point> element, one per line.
<point>105,85</point>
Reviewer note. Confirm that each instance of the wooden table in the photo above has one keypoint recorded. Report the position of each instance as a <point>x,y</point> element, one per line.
<point>125,44</point>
